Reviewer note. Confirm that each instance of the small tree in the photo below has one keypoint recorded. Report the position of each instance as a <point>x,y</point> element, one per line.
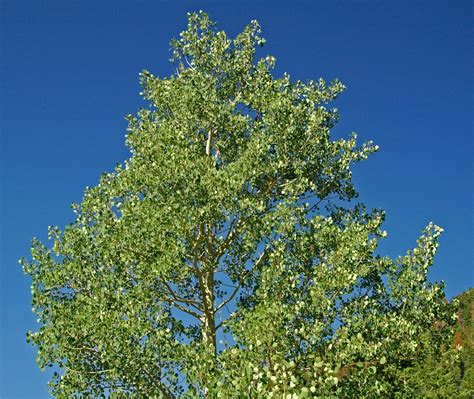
<point>218,261</point>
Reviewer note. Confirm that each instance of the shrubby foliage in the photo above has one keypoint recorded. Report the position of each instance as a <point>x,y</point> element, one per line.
<point>450,374</point>
<point>223,259</point>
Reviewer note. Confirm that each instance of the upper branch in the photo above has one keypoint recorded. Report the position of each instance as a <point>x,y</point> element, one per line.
<point>242,281</point>
<point>195,304</point>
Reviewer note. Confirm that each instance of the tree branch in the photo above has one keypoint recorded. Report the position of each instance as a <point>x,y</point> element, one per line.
<point>191,302</point>
<point>246,274</point>
<point>209,140</point>
<point>230,235</point>
<point>162,387</point>
<point>185,310</point>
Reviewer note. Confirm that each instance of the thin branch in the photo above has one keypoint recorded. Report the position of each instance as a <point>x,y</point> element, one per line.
<point>209,239</point>
<point>173,294</point>
<point>162,387</point>
<point>208,143</point>
<point>223,321</point>
<point>227,285</point>
<point>242,280</point>
<point>81,348</point>
<point>191,302</point>
<point>232,231</point>
<point>319,202</point>
<point>185,310</point>
<point>189,64</point>
<point>86,371</point>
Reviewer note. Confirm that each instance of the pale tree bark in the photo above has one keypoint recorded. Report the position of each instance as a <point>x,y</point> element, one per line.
<point>206,277</point>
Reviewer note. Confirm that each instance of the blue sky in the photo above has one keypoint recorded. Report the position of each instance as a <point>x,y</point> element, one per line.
<point>69,74</point>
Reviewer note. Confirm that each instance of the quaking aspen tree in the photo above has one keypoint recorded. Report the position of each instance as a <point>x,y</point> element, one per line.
<point>225,258</point>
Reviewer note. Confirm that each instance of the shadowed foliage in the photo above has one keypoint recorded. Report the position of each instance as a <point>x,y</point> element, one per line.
<point>450,374</point>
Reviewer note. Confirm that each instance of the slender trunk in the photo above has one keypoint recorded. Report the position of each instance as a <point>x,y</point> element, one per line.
<point>207,286</point>
<point>208,317</point>
<point>206,282</point>
<point>208,328</point>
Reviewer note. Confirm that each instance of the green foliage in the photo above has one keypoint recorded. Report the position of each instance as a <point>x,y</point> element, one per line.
<point>451,373</point>
<point>464,338</point>
<point>226,225</point>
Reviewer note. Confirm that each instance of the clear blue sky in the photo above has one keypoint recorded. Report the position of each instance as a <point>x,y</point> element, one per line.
<point>70,74</point>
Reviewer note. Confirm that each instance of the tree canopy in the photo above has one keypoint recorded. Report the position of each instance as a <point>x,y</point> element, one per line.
<point>226,257</point>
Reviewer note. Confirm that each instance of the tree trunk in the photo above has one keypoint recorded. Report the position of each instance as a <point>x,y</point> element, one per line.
<point>208,317</point>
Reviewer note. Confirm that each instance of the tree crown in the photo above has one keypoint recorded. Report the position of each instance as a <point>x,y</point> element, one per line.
<point>226,224</point>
